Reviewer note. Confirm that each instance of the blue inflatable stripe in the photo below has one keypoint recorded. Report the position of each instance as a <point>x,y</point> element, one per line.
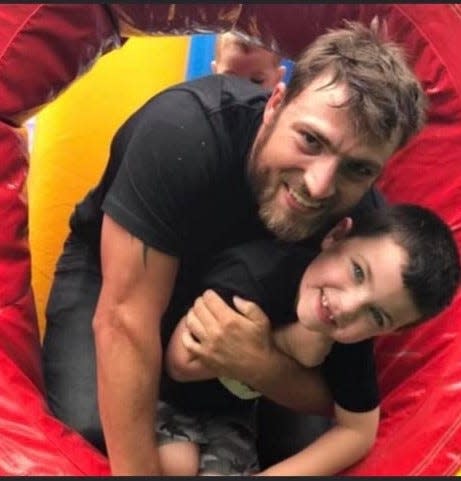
<point>201,53</point>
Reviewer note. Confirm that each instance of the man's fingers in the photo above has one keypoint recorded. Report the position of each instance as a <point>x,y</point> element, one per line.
<point>189,342</point>
<point>195,326</point>
<point>213,301</point>
<point>250,310</point>
<point>219,308</point>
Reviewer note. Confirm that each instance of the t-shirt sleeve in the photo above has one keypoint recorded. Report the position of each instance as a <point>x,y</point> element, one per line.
<point>164,178</point>
<point>350,372</point>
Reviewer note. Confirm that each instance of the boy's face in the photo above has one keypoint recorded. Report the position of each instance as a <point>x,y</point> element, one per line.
<point>256,65</point>
<point>354,290</point>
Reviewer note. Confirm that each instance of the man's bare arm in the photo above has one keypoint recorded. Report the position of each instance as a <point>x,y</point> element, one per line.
<point>136,288</point>
<point>239,345</point>
<point>307,347</point>
<point>180,364</point>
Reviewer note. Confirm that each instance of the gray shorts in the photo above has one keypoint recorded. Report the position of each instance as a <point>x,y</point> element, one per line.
<point>227,443</point>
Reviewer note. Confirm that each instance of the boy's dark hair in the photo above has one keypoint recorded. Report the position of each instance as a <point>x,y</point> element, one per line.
<point>432,274</point>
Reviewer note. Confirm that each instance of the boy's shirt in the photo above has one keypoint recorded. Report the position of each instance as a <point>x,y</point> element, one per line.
<point>268,272</point>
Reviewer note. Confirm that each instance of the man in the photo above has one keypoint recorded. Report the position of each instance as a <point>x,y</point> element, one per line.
<point>203,166</point>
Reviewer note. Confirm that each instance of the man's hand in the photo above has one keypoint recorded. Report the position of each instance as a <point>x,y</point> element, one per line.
<point>233,343</point>
<point>239,344</point>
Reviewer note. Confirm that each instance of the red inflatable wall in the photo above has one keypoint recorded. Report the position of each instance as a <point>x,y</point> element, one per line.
<point>44,47</point>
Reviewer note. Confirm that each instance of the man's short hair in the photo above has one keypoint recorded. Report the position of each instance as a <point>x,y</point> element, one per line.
<point>432,273</point>
<point>386,100</point>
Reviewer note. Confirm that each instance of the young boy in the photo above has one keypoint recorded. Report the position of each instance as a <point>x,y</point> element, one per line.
<point>236,56</point>
<point>392,270</point>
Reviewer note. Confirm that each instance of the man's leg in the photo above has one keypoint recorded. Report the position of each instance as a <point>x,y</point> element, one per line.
<point>68,348</point>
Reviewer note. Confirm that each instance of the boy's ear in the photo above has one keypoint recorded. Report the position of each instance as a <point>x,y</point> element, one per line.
<point>278,94</point>
<point>213,66</point>
<point>339,231</point>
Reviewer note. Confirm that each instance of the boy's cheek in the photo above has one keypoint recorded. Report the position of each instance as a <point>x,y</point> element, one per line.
<point>353,333</point>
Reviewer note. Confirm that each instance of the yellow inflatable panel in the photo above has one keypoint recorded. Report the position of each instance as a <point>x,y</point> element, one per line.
<point>72,139</point>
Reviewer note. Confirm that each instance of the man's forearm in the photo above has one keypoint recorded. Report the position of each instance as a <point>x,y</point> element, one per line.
<point>180,364</point>
<point>286,382</point>
<point>127,393</point>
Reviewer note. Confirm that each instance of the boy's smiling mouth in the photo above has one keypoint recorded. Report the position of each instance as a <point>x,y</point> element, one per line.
<point>325,314</point>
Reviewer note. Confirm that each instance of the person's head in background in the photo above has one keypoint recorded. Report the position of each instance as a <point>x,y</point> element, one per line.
<point>395,268</point>
<point>236,56</point>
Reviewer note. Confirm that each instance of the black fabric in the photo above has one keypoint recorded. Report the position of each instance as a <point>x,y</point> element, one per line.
<point>268,273</point>
<point>176,177</point>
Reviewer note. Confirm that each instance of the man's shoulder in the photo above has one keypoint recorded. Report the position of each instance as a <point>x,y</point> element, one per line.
<point>205,97</point>
<point>216,92</point>
<point>372,199</point>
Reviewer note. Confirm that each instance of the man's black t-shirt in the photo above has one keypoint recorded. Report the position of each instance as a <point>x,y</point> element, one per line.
<point>176,179</point>
<point>268,273</point>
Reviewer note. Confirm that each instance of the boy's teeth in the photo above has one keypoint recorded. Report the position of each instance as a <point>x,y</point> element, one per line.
<point>325,304</point>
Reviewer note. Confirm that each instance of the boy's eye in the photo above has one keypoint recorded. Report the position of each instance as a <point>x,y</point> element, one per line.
<point>378,317</point>
<point>258,81</point>
<point>312,143</point>
<point>359,275</point>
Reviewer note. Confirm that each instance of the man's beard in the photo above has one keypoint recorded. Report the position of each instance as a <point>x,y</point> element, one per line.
<point>286,224</point>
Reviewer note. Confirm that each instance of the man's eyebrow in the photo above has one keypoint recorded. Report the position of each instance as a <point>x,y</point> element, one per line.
<point>326,141</point>
<point>369,274</point>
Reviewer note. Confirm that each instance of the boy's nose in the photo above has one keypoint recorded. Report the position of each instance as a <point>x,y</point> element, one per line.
<point>352,305</point>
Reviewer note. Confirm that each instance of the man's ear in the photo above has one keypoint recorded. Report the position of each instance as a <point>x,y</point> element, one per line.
<point>339,231</point>
<point>274,102</point>
<point>213,66</point>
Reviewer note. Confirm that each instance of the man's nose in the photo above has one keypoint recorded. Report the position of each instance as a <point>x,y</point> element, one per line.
<point>320,177</point>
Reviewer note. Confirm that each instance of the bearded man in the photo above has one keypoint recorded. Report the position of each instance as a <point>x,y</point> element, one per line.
<point>200,167</point>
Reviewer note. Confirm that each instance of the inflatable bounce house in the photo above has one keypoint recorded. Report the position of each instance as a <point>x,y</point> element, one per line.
<point>44,48</point>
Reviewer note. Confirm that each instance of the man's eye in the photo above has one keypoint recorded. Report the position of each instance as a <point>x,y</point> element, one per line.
<point>313,145</point>
<point>360,170</point>
<point>359,275</point>
<point>377,316</point>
